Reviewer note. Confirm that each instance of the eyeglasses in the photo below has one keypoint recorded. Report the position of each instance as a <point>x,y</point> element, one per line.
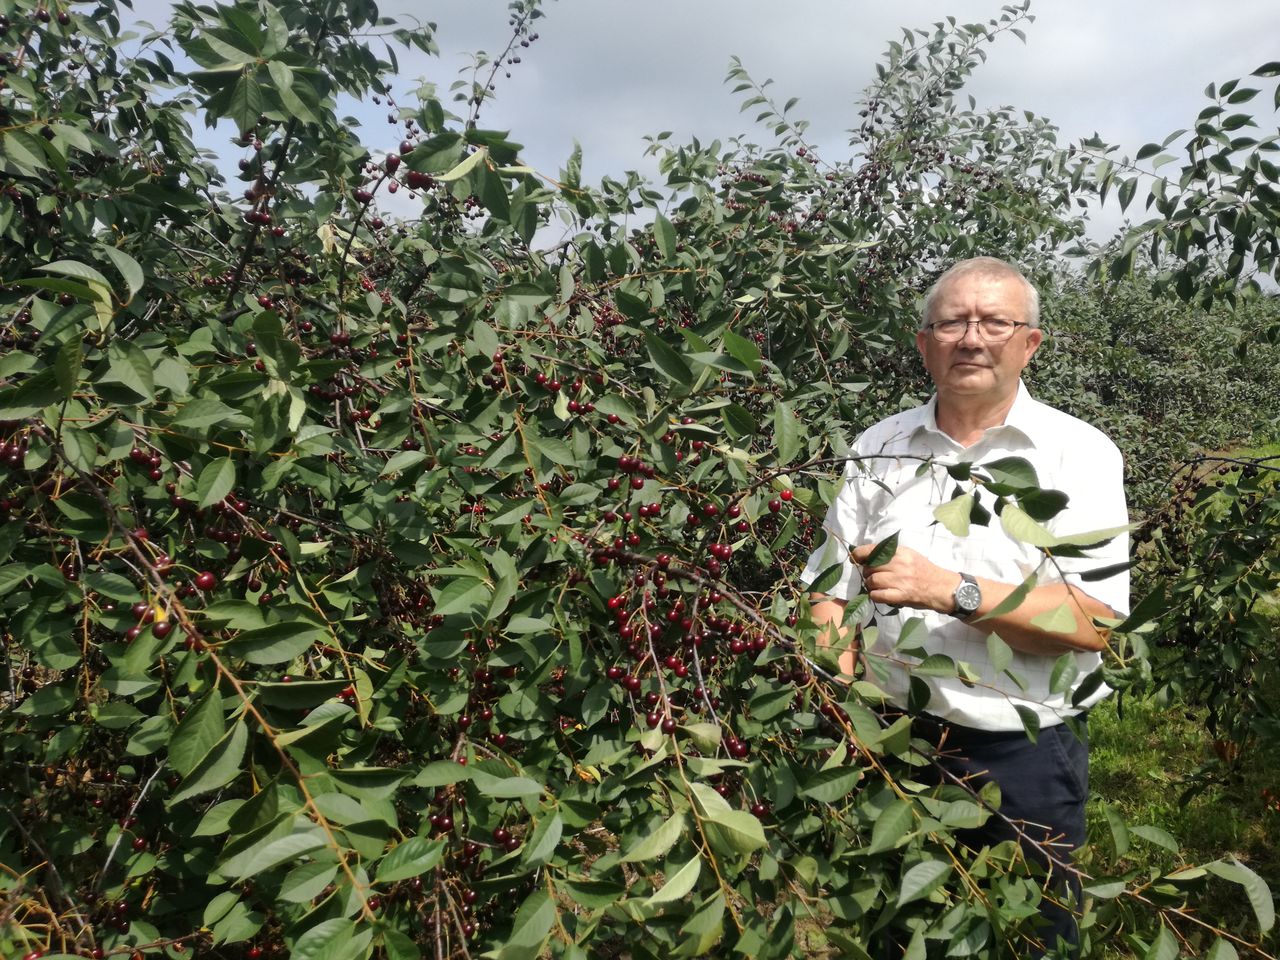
<point>991,330</point>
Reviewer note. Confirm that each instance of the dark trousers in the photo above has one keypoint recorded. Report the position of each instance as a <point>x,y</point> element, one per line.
<point>1043,789</point>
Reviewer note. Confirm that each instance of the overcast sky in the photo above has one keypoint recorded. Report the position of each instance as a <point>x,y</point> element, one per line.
<point>607,72</point>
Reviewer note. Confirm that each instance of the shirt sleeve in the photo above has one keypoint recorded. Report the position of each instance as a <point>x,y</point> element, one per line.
<point>844,527</point>
<point>1100,507</point>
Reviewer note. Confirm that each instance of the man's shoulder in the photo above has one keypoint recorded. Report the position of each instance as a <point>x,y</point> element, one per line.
<point>892,433</point>
<point>1053,427</point>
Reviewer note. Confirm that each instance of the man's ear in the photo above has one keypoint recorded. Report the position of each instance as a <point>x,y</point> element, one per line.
<point>1034,338</point>
<point>920,335</point>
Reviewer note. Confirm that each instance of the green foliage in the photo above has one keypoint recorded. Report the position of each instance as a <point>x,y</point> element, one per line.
<point>1155,764</point>
<point>1213,563</point>
<point>410,589</point>
<point>1166,381</point>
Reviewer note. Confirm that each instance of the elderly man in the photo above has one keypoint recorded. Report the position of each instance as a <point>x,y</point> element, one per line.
<point>980,328</point>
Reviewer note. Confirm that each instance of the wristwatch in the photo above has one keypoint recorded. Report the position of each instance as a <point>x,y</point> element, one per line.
<point>968,597</point>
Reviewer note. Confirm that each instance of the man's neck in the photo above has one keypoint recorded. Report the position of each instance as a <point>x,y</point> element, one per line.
<point>965,418</point>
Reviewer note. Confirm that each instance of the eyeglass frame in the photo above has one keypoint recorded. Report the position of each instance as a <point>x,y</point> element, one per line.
<point>1015,324</point>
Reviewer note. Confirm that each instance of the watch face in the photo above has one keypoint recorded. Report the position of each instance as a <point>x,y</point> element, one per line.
<point>968,596</point>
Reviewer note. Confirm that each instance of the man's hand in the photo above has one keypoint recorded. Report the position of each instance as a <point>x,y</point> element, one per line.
<point>911,580</point>
<point>908,580</point>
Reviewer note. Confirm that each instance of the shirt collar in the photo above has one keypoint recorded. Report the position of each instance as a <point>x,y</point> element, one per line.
<point>1023,416</point>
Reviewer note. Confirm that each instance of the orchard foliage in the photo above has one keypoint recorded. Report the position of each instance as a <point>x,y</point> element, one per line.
<point>426,586</point>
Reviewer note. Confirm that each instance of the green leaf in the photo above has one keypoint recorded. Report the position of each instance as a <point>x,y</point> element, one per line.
<point>1255,889</point>
<point>921,880</point>
<point>707,924</point>
<point>727,828</point>
<point>742,350</point>
<point>678,884</point>
<point>1020,526</point>
<point>1013,600</point>
<point>504,787</point>
<point>461,596</point>
<point>282,850</point>
<point>543,842</point>
<point>412,858</point>
<point>465,167</point>
<point>954,514</point>
<point>1011,471</point>
<point>786,433</point>
<point>219,767</point>
<point>827,579</point>
<point>197,733</point>
<point>999,653</point>
<point>669,363</point>
<point>67,366</point>
<point>306,882</point>
<point>441,773</point>
<point>735,829</point>
<point>832,785</point>
<point>1106,889</point>
<point>1119,829</point>
<point>1064,673</point>
<point>891,826</point>
<point>80,447</point>
<point>246,102</point>
<point>403,461</point>
<point>1221,950</point>
<point>1158,836</point>
<point>80,271</point>
<point>204,412</point>
<point>883,551</point>
<point>128,268</point>
<point>282,79</point>
<point>215,482</point>
<point>1030,721</point>
<point>665,235</point>
<point>1061,619</point>
<point>328,940</point>
<point>276,643</point>
<point>1163,947</point>
<point>129,367</point>
<point>657,843</point>
<point>529,929</point>
<point>493,194</point>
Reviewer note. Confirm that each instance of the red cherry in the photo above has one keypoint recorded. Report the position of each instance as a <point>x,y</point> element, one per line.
<point>206,581</point>
<point>775,506</point>
<point>785,495</point>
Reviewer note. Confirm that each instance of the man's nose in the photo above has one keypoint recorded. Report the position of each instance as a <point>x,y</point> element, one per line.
<point>971,338</point>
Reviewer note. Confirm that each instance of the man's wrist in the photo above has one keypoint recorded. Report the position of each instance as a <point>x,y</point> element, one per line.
<point>946,600</point>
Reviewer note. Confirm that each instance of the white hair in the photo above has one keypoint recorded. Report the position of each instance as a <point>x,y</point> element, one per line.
<point>985,267</point>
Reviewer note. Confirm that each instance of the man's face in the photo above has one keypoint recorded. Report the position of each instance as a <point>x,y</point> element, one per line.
<point>971,367</point>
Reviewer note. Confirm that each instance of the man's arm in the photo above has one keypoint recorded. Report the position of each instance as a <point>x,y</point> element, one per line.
<point>828,613</point>
<point>911,580</point>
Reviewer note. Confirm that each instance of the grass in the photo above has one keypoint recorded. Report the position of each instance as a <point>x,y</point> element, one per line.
<point>1157,765</point>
